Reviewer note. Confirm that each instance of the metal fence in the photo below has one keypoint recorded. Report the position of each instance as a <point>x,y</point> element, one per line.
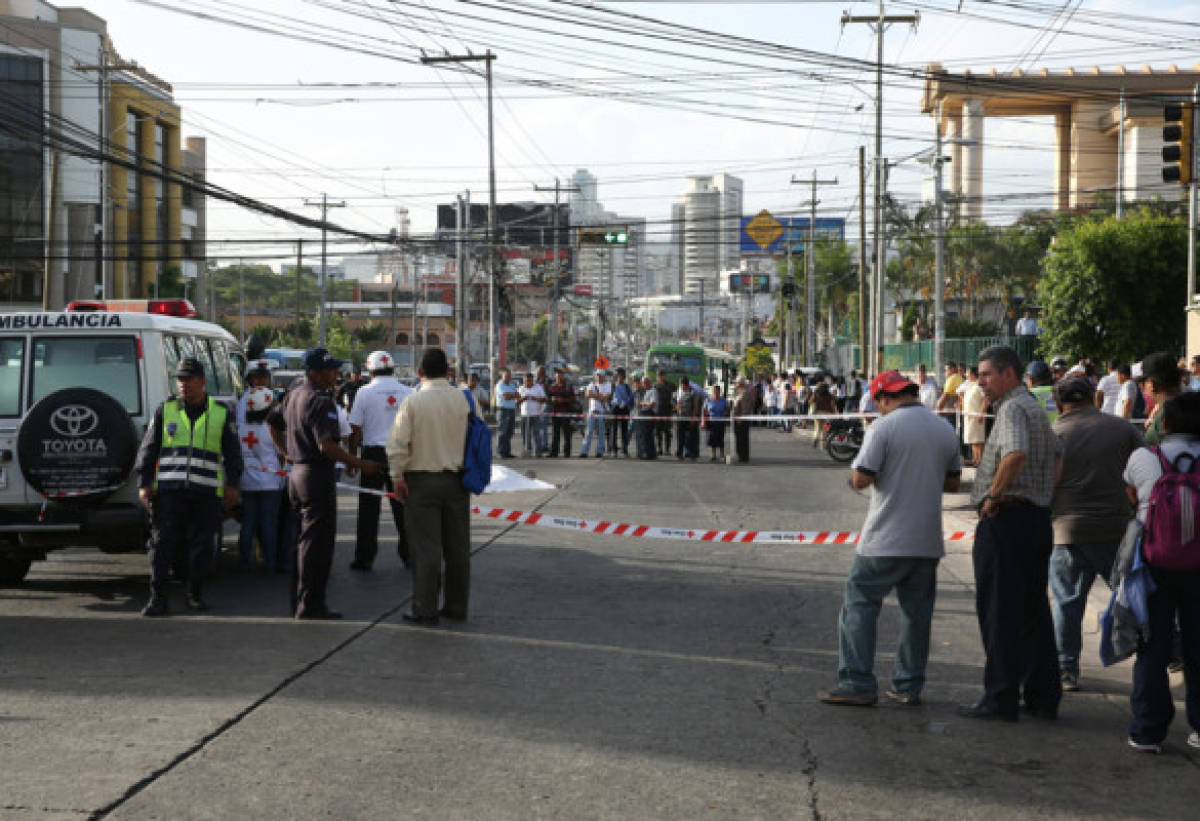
<point>906,356</point>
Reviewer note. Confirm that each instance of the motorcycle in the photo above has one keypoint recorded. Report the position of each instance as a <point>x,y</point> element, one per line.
<point>843,438</point>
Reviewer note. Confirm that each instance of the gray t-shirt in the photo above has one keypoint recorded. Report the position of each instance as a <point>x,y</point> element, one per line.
<point>909,452</point>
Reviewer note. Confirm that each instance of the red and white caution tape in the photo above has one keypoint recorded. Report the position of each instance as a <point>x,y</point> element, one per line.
<point>630,531</point>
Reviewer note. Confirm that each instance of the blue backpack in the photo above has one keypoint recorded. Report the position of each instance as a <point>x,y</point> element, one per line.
<point>477,453</point>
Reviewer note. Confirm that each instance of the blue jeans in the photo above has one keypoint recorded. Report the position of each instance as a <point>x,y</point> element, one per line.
<point>1177,596</point>
<point>260,517</point>
<point>533,435</point>
<point>595,428</point>
<point>504,435</point>
<point>1073,568</point>
<point>871,578</point>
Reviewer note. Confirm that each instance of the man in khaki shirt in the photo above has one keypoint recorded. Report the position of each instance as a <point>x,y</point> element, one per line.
<point>425,447</point>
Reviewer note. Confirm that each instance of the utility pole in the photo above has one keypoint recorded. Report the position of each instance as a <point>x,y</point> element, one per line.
<point>460,288</point>
<point>324,205</point>
<point>493,275</point>
<point>862,258</point>
<point>810,270</point>
<point>939,253</point>
<point>1192,203</point>
<point>1121,159</point>
<point>299,265</point>
<point>879,24</point>
<point>556,284</point>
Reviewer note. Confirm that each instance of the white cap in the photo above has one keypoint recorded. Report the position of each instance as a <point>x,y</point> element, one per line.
<point>1136,370</point>
<point>380,361</point>
<point>259,399</point>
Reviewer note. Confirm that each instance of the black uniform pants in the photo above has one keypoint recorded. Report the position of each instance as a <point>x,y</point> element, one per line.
<point>741,440</point>
<point>1012,561</point>
<point>643,435</point>
<point>183,520</point>
<point>438,514</point>
<point>313,493</point>
<point>366,544</point>
<point>618,423</point>
<point>564,426</point>
<point>662,434</point>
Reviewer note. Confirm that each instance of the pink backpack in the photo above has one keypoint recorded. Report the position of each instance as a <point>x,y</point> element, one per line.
<point>1171,539</point>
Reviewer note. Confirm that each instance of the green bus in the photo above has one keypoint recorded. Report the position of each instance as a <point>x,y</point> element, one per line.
<point>701,365</point>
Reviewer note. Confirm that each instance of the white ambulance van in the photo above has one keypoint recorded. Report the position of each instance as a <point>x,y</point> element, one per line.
<point>77,389</point>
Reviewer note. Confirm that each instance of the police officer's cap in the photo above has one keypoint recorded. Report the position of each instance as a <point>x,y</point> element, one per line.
<point>189,366</point>
<point>319,359</point>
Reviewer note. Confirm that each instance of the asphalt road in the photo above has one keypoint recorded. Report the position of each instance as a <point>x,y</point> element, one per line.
<point>597,677</point>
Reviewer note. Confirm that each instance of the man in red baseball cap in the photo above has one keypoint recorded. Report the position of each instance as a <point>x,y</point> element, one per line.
<point>909,458</point>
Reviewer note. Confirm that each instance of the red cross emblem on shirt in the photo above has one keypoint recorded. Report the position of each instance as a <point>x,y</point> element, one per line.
<point>251,440</point>
<point>391,399</point>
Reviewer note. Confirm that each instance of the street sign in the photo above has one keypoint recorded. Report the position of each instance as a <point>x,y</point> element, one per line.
<point>764,229</point>
<point>749,283</point>
<point>582,290</point>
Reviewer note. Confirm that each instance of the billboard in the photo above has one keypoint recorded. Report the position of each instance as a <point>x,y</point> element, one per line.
<point>749,283</point>
<point>767,235</point>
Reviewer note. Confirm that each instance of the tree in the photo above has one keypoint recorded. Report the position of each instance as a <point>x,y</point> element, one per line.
<point>757,360</point>
<point>1114,289</point>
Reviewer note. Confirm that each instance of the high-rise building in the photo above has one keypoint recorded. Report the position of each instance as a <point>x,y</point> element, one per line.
<point>72,224</point>
<point>709,217</point>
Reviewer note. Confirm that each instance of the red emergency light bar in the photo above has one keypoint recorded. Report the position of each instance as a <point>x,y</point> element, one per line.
<point>162,307</point>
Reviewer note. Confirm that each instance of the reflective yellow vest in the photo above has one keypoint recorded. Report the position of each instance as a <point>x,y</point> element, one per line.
<point>190,455</point>
<point>1045,395</point>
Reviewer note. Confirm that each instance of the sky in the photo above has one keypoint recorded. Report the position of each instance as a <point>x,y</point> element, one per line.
<point>303,97</point>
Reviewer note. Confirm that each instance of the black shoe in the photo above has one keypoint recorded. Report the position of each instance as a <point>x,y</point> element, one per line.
<point>453,615</point>
<point>157,606</point>
<point>194,602</point>
<point>583,456</point>
<point>357,565</point>
<point>324,614</point>
<point>421,621</point>
<point>1042,713</point>
<point>985,712</point>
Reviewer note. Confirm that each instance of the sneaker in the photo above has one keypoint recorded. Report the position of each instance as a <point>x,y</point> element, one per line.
<point>907,699</point>
<point>1153,749</point>
<point>848,698</point>
<point>1070,682</point>
<point>1194,740</point>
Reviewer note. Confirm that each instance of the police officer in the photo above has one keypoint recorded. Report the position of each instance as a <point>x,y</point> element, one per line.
<point>305,427</point>
<point>371,418</point>
<point>190,463</point>
<point>1040,382</point>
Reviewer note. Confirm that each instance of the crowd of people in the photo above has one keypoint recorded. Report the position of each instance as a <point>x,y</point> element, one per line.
<point>1076,476</point>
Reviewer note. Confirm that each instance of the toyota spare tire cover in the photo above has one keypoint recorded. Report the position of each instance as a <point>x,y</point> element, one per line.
<point>77,444</point>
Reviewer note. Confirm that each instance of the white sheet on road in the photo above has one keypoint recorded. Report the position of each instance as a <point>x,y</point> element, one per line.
<point>506,479</point>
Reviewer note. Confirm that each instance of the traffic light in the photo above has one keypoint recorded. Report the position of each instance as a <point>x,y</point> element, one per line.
<point>604,236</point>
<point>1180,143</point>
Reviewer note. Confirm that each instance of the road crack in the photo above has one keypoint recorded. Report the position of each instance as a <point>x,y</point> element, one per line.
<point>236,719</point>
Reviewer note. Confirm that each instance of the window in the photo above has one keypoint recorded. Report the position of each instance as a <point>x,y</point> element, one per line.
<point>12,353</point>
<point>674,363</point>
<point>433,339</point>
<point>237,361</point>
<point>21,177</point>
<point>171,357</point>
<point>105,363</point>
<point>216,367</point>
<point>402,338</point>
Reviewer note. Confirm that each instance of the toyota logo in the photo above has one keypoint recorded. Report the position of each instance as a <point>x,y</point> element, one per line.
<point>74,420</point>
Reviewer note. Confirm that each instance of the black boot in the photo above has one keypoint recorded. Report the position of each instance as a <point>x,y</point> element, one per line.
<point>157,606</point>
<point>194,599</point>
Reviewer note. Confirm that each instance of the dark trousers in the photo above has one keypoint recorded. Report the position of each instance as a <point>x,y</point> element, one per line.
<point>1012,560</point>
<point>366,544</point>
<point>688,446</point>
<point>662,435</point>
<point>183,520</point>
<point>563,428</point>
<point>507,420</point>
<point>438,517</point>
<point>618,424</point>
<point>741,440</point>
<point>313,494</point>
<point>1153,708</point>
<point>643,436</point>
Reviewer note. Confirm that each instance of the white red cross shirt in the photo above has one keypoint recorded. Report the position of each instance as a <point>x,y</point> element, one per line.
<point>259,456</point>
<point>375,408</point>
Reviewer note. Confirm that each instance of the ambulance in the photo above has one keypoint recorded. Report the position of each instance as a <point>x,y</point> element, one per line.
<point>77,390</point>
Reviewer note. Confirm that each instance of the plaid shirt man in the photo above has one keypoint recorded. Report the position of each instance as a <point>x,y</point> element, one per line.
<point>1021,425</point>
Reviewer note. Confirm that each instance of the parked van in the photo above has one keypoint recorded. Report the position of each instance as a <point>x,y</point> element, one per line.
<point>77,389</point>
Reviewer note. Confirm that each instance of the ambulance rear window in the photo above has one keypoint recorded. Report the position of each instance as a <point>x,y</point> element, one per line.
<point>11,352</point>
<point>104,363</point>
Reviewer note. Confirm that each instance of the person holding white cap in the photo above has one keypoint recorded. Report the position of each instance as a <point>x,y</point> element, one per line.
<point>371,417</point>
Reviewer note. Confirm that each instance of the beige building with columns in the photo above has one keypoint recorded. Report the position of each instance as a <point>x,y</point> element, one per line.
<point>1086,107</point>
